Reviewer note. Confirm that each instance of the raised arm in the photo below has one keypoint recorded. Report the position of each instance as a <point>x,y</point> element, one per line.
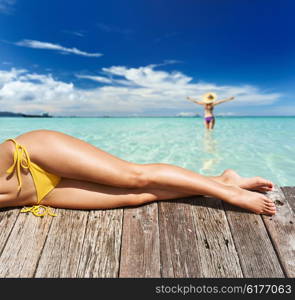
<point>195,100</point>
<point>224,100</point>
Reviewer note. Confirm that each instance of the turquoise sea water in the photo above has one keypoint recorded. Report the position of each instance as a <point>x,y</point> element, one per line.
<point>262,146</point>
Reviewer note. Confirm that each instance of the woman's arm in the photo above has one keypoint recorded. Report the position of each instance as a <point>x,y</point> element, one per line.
<point>195,100</point>
<point>224,100</point>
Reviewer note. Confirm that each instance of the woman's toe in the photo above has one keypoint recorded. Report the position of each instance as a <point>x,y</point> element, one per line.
<point>269,202</point>
<point>270,211</point>
<point>263,182</point>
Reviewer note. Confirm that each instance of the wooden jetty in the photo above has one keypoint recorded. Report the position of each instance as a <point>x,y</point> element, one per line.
<point>192,237</point>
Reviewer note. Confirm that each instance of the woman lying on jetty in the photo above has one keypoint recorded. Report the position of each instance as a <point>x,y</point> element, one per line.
<point>45,168</point>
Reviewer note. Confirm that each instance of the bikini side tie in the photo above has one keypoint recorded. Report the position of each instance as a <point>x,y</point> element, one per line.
<point>21,159</point>
<point>39,210</point>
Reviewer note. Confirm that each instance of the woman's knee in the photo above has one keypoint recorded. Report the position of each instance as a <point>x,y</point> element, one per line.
<point>137,177</point>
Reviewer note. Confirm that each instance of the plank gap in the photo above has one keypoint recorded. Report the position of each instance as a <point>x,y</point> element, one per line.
<point>281,231</point>
<point>42,250</point>
<point>234,240</point>
<point>3,215</point>
<point>83,243</point>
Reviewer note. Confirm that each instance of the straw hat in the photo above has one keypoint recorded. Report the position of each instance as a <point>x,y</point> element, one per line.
<point>209,97</point>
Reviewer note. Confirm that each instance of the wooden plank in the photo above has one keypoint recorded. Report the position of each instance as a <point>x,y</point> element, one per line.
<point>195,240</point>
<point>8,218</point>
<point>289,193</point>
<point>219,256</point>
<point>177,238</point>
<point>257,255</point>
<point>140,251</point>
<point>24,246</point>
<point>62,250</point>
<point>100,255</point>
<point>281,228</point>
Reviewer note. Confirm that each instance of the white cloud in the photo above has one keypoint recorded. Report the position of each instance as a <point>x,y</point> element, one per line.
<point>21,91</point>
<point>123,91</point>
<point>8,76</point>
<point>56,47</point>
<point>6,6</point>
<point>149,78</point>
<point>95,78</point>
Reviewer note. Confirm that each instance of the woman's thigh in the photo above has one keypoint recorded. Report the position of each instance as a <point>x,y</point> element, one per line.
<point>206,124</point>
<point>212,123</point>
<point>69,157</point>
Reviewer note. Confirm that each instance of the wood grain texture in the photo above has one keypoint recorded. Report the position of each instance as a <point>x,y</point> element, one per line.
<point>192,237</point>
<point>140,252</point>
<point>256,253</point>
<point>100,255</point>
<point>196,240</point>
<point>62,250</point>
<point>214,239</point>
<point>7,220</point>
<point>289,193</point>
<point>21,254</point>
<point>179,257</point>
<point>281,228</point>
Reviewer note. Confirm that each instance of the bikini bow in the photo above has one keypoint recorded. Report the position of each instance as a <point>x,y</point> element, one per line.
<point>21,159</point>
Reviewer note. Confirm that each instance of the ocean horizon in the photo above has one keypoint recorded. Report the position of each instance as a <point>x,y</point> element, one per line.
<point>155,116</point>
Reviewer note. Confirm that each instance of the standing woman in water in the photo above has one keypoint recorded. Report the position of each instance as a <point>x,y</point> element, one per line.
<point>209,102</point>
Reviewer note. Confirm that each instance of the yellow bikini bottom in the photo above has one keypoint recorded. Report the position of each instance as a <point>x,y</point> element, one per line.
<point>44,181</point>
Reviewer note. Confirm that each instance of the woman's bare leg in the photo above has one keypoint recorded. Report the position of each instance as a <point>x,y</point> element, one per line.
<point>72,158</point>
<point>75,194</point>
<point>211,124</point>
<point>206,124</point>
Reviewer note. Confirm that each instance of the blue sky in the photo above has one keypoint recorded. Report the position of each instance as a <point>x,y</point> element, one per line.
<point>115,57</point>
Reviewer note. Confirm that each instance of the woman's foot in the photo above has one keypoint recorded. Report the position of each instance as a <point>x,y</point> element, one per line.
<point>254,183</point>
<point>255,202</point>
